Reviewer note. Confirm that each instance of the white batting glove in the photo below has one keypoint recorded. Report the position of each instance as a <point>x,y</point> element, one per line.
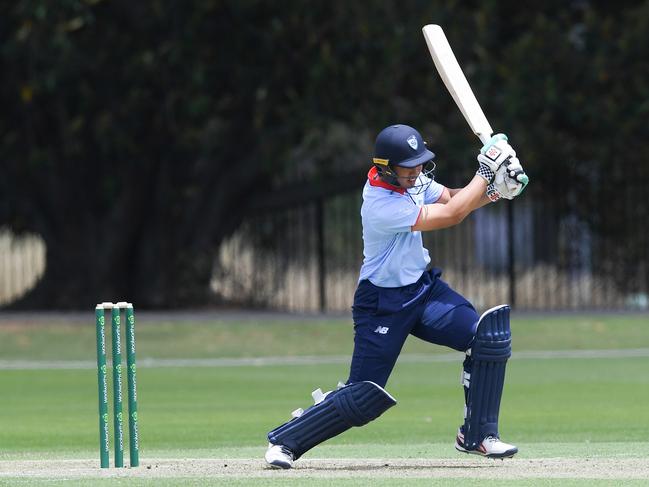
<point>492,155</point>
<point>509,181</point>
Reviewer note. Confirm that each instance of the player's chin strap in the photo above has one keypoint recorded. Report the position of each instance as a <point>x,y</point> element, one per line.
<point>484,375</point>
<point>333,413</point>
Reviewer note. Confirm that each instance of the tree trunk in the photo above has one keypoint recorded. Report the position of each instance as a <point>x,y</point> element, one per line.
<point>152,253</point>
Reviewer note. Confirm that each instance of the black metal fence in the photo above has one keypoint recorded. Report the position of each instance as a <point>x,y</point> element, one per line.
<point>587,249</point>
<point>538,253</point>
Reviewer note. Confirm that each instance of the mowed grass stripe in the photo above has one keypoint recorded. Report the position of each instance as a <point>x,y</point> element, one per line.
<point>306,337</point>
<point>559,400</point>
<point>318,359</point>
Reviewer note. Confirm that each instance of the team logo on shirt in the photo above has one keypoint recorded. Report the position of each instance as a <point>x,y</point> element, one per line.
<point>412,142</point>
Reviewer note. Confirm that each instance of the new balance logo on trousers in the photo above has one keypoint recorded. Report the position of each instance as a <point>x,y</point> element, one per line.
<point>383,330</point>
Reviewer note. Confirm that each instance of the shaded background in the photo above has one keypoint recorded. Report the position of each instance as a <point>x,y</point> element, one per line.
<point>201,153</point>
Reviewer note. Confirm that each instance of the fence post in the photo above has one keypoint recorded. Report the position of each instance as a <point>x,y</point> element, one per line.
<point>320,235</point>
<point>512,254</point>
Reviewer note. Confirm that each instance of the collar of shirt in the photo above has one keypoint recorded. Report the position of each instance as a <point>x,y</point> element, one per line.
<point>375,180</point>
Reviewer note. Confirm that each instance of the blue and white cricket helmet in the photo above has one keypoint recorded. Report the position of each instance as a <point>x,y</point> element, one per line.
<point>401,145</point>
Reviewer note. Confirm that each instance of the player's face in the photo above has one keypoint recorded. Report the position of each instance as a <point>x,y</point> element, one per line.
<point>407,176</point>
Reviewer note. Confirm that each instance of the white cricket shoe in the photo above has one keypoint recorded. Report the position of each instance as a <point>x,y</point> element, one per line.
<point>491,447</point>
<point>279,456</point>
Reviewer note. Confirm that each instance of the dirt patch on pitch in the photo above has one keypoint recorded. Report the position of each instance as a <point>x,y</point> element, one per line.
<point>595,468</point>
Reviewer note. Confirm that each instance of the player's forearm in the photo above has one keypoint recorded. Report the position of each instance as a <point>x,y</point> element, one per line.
<point>484,201</point>
<point>468,198</point>
<point>463,202</point>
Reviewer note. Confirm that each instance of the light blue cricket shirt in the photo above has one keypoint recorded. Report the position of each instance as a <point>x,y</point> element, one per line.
<point>394,256</point>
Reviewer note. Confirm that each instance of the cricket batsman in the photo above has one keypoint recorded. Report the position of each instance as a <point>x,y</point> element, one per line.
<point>398,294</point>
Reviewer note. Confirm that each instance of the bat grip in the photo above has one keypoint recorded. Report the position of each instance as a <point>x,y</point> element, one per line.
<point>484,138</point>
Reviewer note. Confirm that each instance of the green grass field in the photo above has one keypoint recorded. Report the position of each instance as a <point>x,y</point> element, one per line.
<point>577,418</point>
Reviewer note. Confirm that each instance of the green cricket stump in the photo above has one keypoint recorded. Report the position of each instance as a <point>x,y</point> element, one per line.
<point>134,437</point>
<point>117,387</point>
<point>133,433</point>
<point>104,448</point>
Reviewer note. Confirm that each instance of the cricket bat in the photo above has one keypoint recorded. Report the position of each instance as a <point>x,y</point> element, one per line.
<point>455,81</point>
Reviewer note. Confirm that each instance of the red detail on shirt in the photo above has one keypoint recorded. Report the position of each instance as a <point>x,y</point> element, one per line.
<point>375,180</point>
<point>418,217</point>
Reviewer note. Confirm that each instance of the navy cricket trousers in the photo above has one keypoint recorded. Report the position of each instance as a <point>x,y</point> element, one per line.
<point>384,317</point>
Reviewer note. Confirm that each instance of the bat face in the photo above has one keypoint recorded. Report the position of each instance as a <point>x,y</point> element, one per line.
<point>455,81</point>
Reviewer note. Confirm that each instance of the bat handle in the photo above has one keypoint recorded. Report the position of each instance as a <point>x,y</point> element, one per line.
<point>484,138</point>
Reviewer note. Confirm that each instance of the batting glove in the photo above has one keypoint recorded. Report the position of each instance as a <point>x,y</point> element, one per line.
<point>492,155</point>
<point>509,180</point>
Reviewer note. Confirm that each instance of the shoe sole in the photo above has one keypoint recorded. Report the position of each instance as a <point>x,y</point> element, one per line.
<point>277,464</point>
<point>505,454</point>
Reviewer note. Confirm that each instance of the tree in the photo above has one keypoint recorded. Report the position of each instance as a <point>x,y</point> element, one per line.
<point>127,144</point>
<point>135,136</point>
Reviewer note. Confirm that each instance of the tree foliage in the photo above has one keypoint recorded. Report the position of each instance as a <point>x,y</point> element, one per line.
<point>135,135</point>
